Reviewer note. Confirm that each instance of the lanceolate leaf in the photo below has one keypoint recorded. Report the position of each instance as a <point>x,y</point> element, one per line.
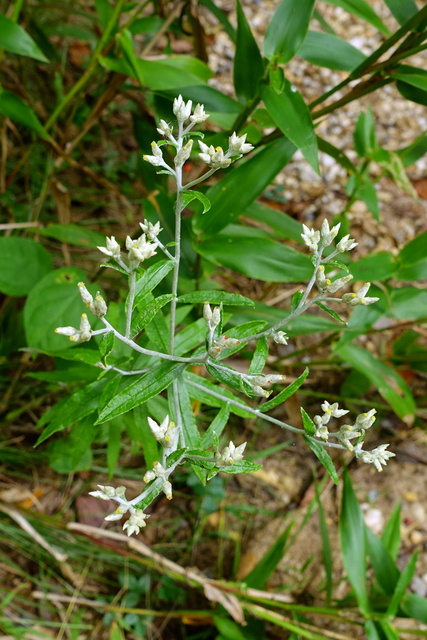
<point>402,9</point>
<point>362,9</point>
<point>148,311</point>
<point>287,30</point>
<point>138,392</point>
<point>189,425</point>
<point>291,115</point>
<point>327,50</point>
<point>189,196</point>
<point>216,297</point>
<point>242,185</point>
<point>323,456</point>
<point>17,110</point>
<point>248,64</point>
<point>13,38</point>
<point>151,278</point>
<point>353,544</point>
<point>285,393</point>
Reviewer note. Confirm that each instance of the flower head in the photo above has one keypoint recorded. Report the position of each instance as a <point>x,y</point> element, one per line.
<point>214,156</point>
<point>280,337</point>
<point>118,513</point>
<point>199,114</point>
<point>366,420</point>
<point>377,457</point>
<point>347,433</point>
<point>311,238</point>
<point>333,410</point>
<point>328,235</point>
<point>157,158</point>
<point>113,248</point>
<point>83,334</point>
<point>165,433</point>
<point>183,154</point>
<point>164,129</point>
<point>135,522</point>
<point>230,455</point>
<point>140,249</point>
<point>106,493</point>
<point>238,144</point>
<point>346,244</point>
<point>182,110</point>
<point>359,298</point>
<point>152,230</point>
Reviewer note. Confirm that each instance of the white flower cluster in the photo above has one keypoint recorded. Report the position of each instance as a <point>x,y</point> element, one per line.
<point>83,334</point>
<point>137,517</point>
<point>214,157</point>
<point>165,433</point>
<point>221,343</point>
<point>346,433</point>
<point>96,305</point>
<point>160,472</point>
<point>229,455</point>
<point>323,238</point>
<point>138,250</point>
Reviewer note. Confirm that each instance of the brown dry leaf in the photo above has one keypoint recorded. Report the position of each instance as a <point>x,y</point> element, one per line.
<point>196,620</point>
<point>420,186</point>
<point>227,600</point>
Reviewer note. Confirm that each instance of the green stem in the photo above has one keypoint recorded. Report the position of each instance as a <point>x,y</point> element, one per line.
<point>78,86</point>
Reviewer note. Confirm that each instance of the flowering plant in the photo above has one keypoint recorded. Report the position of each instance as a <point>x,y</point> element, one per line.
<point>177,433</point>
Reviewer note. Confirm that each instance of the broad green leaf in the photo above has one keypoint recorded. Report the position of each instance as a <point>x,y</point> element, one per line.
<point>229,630</point>
<point>148,24</point>
<point>158,333</point>
<point>216,297</point>
<point>217,426</point>
<point>192,336</point>
<point>402,584</point>
<point>409,92</point>
<point>414,76</point>
<point>17,110</point>
<point>353,544</point>
<point>412,253</point>
<point>13,38</point>
<point>149,310</point>
<point>385,569</point>
<point>365,137</point>
<point>248,67</point>
<point>76,407</point>
<point>259,575</point>
<point>337,154</point>
<point>362,9</point>
<point>414,151</point>
<point>189,425</point>
<point>307,422</point>
<point>283,225</point>
<point>326,50</point>
<point>189,196</point>
<point>259,358</point>
<point>408,303</point>
<point>73,234</point>
<point>23,263</point>
<point>415,606</point>
<point>323,456</point>
<point>86,354</point>
<point>402,9</point>
<point>266,260</point>
<point>375,267</point>
<point>54,302</point>
<point>292,116</point>
<point>385,378</point>
<point>139,391</point>
<point>214,396</point>
<point>285,393</point>
<point>151,278</point>
<point>287,29</point>
<point>242,185</point>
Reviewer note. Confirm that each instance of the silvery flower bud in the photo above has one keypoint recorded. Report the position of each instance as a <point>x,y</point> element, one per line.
<point>366,420</point>
<point>100,306</point>
<point>181,110</point>
<point>346,244</point>
<point>86,297</point>
<point>199,114</point>
<point>113,248</point>
<point>237,144</point>
<point>311,238</point>
<point>157,158</point>
<point>280,337</point>
<point>183,154</point>
<point>167,489</point>
<point>333,286</point>
<point>230,455</point>
<point>164,129</point>
<point>378,456</point>
<point>328,235</point>
<point>359,298</point>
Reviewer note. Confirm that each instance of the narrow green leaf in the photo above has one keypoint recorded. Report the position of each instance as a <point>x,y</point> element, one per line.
<point>385,569</point>
<point>412,93</point>
<point>287,30</point>
<point>362,9</point>
<point>259,575</point>
<point>337,154</point>
<point>151,278</point>
<point>389,383</point>
<point>231,195</point>
<point>77,406</point>
<point>139,391</point>
<point>323,456</point>
<point>13,38</point>
<point>295,300</point>
<point>307,422</point>
<point>259,358</point>
<point>326,547</point>
<point>331,312</point>
<point>113,447</point>
<point>17,110</point>
<point>402,584</point>
<point>353,544</point>
<point>189,424</point>
<point>221,17</point>
<point>215,297</point>
<point>269,260</point>
<point>285,393</point>
<point>228,376</point>
<point>246,76</point>
<point>189,196</point>
<point>283,225</point>
<point>391,534</point>
<point>207,393</point>
<point>415,606</point>
<point>326,50</point>
<point>365,137</point>
<point>410,154</point>
<point>148,311</point>
<point>292,116</point>
<point>217,426</point>
<point>106,346</point>
<point>414,76</point>
<point>191,337</point>
<point>402,9</point>
<point>158,333</point>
